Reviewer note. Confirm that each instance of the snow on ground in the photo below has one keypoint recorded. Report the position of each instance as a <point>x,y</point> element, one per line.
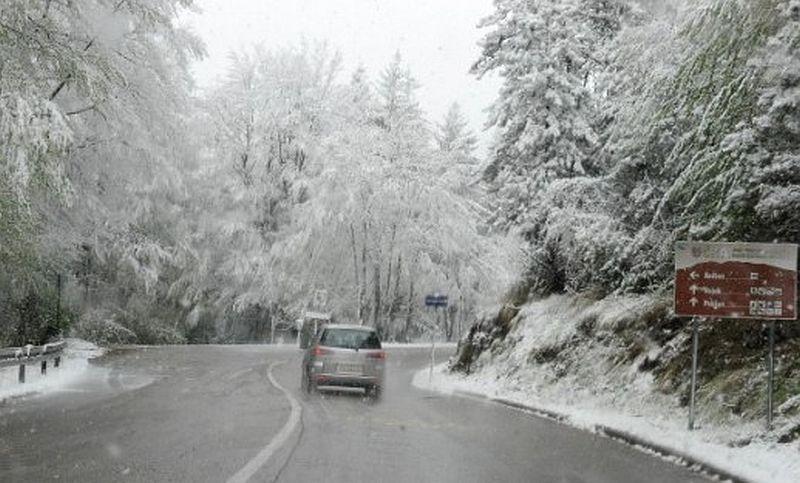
<point>601,392</point>
<point>74,362</point>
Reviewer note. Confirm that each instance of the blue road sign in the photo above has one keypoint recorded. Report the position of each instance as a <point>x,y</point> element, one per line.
<point>436,300</point>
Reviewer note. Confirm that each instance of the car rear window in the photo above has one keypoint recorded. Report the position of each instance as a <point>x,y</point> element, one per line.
<point>350,339</point>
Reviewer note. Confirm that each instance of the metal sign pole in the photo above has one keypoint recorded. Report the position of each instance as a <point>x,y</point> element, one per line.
<point>433,302</point>
<point>694,373</point>
<point>433,351</point>
<point>433,347</point>
<point>771,364</point>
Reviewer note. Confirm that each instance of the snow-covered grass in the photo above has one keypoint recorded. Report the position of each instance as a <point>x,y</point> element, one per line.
<point>74,361</point>
<point>546,363</point>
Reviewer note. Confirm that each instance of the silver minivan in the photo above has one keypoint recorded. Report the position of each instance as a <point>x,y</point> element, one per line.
<point>348,356</point>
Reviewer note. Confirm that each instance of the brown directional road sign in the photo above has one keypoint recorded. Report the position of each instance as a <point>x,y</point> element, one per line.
<point>736,280</point>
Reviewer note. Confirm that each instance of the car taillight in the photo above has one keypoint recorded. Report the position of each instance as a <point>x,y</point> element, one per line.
<point>377,355</point>
<point>319,351</point>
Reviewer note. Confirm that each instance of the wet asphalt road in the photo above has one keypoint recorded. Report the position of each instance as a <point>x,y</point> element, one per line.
<point>202,413</point>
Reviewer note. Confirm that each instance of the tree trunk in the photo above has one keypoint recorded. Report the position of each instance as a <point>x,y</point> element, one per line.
<point>387,295</point>
<point>411,304</point>
<point>391,310</point>
<point>450,321</point>
<point>356,279</point>
<point>362,294</point>
<point>460,315</point>
<point>376,309</point>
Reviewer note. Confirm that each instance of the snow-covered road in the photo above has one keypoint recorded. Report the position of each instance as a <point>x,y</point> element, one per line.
<point>203,413</point>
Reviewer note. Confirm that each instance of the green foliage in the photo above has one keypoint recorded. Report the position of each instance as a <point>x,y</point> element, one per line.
<point>33,316</point>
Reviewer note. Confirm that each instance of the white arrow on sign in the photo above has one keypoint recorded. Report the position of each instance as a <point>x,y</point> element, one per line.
<point>694,288</point>
<point>693,301</point>
<point>694,275</point>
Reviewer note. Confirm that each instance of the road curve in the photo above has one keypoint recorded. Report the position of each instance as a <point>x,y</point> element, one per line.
<point>207,413</point>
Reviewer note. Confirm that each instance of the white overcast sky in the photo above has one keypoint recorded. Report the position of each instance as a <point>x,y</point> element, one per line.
<point>437,39</point>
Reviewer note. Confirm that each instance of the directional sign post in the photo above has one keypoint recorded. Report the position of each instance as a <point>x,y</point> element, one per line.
<point>435,301</point>
<point>735,281</point>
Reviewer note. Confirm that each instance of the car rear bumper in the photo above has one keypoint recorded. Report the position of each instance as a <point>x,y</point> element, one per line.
<point>341,380</point>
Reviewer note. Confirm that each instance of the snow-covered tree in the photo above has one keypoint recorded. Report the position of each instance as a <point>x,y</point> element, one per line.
<point>454,135</point>
<point>263,123</point>
<point>92,97</point>
<point>385,222</point>
<point>546,52</point>
<point>697,104</point>
<point>776,131</point>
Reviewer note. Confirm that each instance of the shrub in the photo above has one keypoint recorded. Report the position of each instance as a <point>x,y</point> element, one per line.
<point>100,327</point>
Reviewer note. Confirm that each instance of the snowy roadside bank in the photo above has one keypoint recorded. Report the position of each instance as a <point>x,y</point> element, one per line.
<point>74,362</point>
<point>755,463</point>
<point>584,381</point>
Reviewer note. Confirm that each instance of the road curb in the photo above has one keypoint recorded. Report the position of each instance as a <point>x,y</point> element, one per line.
<point>474,395</point>
<point>663,450</point>
<point>619,435</point>
<point>561,418</point>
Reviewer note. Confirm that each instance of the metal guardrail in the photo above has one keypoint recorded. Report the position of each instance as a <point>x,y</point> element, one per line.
<point>23,356</point>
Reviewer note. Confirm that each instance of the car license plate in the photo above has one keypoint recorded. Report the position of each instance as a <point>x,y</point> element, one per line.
<point>350,368</point>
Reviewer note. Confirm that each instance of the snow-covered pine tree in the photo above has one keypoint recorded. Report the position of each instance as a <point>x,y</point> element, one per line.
<point>700,145</point>
<point>699,135</point>
<point>456,157</point>
<point>546,54</point>
<point>454,135</point>
<point>774,187</point>
<point>397,92</point>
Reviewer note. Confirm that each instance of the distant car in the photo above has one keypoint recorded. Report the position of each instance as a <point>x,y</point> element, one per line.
<point>344,356</point>
<point>309,326</point>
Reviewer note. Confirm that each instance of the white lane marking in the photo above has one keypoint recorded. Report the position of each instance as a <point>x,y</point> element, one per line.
<point>255,464</point>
